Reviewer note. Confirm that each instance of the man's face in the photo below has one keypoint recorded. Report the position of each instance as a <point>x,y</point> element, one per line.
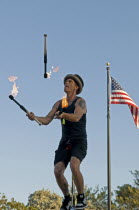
<point>70,86</point>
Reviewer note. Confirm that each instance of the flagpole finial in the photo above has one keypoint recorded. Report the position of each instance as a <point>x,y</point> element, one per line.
<point>108,66</point>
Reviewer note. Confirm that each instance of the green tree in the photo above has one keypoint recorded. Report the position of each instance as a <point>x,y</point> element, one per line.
<point>136,177</point>
<point>44,199</point>
<point>97,199</point>
<point>12,204</point>
<point>127,197</point>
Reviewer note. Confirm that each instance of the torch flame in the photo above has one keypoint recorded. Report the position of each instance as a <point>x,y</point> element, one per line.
<point>64,102</point>
<point>49,74</point>
<point>14,91</point>
<point>53,69</point>
<point>12,78</point>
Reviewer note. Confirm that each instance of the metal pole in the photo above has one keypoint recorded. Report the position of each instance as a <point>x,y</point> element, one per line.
<point>73,192</point>
<point>108,137</point>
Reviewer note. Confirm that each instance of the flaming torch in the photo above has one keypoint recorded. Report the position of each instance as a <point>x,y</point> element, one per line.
<point>64,105</point>
<point>14,93</point>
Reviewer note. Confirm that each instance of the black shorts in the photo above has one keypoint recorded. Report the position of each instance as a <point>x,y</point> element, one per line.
<point>71,148</point>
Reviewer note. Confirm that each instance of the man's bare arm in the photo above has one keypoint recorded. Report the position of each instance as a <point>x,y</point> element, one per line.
<point>48,118</point>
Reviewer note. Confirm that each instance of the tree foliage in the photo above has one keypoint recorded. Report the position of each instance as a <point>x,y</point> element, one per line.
<point>126,198</point>
<point>12,204</point>
<point>136,178</point>
<point>97,199</point>
<point>44,199</point>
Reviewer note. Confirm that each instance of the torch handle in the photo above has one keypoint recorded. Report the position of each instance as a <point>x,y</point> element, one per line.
<point>45,56</point>
<point>25,110</point>
<point>38,121</point>
<point>60,112</point>
<point>35,119</point>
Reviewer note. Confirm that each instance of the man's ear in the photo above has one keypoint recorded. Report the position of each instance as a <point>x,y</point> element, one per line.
<point>76,88</point>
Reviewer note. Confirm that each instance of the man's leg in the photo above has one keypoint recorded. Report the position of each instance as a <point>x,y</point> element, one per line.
<point>77,175</point>
<point>61,180</point>
<point>79,182</point>
<point>63,184</point>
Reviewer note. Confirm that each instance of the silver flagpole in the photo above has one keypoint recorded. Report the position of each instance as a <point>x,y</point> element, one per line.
<point>108,137</point>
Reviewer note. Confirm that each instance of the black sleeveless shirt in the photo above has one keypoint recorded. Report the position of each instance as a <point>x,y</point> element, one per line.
<point>73,130</point>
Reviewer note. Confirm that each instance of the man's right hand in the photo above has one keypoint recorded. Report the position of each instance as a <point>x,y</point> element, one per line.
<point>31,115</point>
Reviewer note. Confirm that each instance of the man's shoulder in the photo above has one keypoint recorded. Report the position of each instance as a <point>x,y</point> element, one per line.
<point>57,103</point>
<point>82,103</point>
<point>80,99</point>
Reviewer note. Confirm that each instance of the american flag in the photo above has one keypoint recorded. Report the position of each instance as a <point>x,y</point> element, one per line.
<point>119,96</point>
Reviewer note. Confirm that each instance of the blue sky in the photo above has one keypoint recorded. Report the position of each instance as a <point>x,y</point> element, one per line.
<point>82,37</point>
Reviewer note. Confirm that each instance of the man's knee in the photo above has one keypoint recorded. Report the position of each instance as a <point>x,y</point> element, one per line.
<point>59,169</point>
<point>75,165</point>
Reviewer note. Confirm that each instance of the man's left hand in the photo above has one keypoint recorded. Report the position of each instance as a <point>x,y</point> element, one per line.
<point>58,115</point>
